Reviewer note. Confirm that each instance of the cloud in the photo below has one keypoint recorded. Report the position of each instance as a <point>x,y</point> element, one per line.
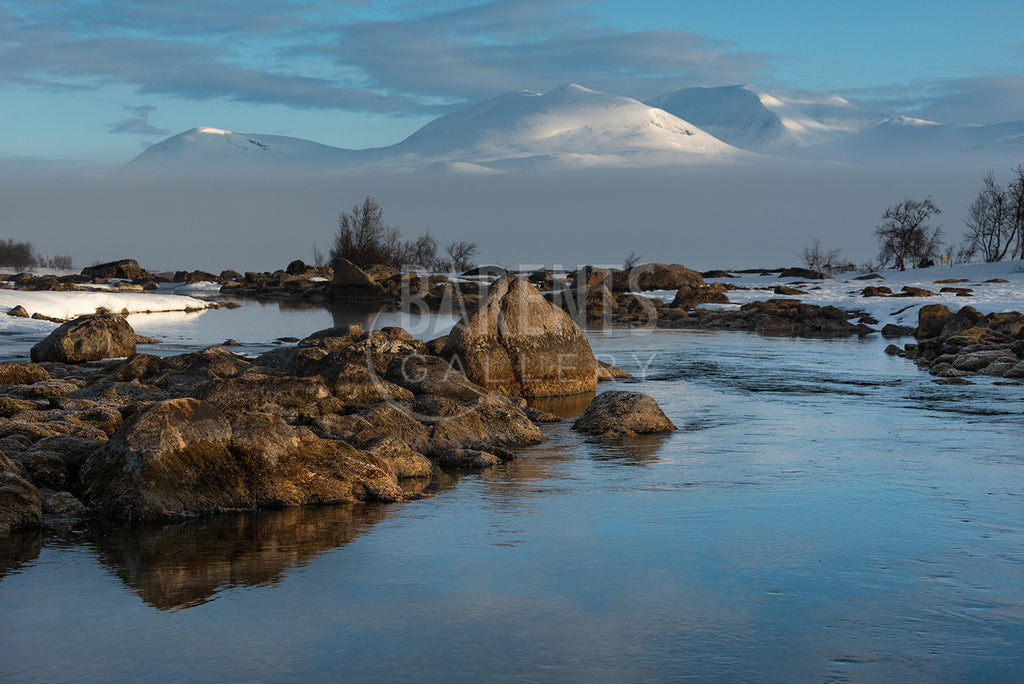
<point>974,100</point>
<point>139,124</point>
<point>399,59</point>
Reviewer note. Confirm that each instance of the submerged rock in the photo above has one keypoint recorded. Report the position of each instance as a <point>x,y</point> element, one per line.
<point>623,414</point>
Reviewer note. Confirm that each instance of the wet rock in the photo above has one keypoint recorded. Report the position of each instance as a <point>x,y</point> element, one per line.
<point>18,312</point>
<point>786,290</point>
<point>623,414</point>
<point>89,338</point>
<point>520,344</point>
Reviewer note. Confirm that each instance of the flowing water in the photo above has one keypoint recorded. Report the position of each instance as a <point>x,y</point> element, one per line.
<point>824,512</point>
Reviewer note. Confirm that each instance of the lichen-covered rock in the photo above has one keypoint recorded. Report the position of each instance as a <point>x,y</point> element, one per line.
<point>89,338</point>
<point>623,414</point>
<point>519,344</point>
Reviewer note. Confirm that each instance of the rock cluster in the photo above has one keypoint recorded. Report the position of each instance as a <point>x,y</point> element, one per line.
<point>952,346</point>
<point>344,415</point>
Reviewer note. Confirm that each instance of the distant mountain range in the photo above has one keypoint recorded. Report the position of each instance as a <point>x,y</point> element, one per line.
<point>575,127</point>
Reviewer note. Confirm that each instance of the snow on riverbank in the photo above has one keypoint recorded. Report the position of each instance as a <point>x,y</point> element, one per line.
<point>845,292</point>
<point>68,305</point>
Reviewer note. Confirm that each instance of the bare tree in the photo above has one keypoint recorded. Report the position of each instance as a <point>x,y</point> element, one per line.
<point>990,221</point>
<point>362,236</point>
<point>816,258</point>
<point>17,255</point>
<point>318,257</point>
<point>461,254</point>
<point>905,235</point>
<point>630,261</point>
<point>1015,195</point>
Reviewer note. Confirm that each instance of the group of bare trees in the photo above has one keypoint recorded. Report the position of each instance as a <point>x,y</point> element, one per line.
<point>364,239</point>
<point>21,255</point>
<point>995,220</point>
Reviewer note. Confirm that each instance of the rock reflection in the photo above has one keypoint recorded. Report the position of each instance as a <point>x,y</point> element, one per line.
<point>19,549</point>
<point>184,565</point>
<point>639,450</point>
<point>564,407</point>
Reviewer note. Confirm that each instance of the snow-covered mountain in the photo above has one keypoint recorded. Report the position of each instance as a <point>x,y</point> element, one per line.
<point>571,126</point>
<point>214,148</point>
<point>574,127</point>
<point>755,119</point>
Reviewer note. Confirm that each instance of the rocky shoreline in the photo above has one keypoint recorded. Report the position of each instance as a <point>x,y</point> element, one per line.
<point>93,428</point>
<point>343,416</point>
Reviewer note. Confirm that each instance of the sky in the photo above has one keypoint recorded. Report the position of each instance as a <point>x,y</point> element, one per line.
<point>97,81</point>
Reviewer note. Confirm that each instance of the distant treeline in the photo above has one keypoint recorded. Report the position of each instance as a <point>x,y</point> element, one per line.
<point>21,255</point>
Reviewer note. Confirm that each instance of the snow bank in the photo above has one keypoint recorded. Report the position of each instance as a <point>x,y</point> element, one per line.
<point>67,305</point>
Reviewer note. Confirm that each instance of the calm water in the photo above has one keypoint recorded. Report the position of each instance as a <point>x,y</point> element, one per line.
<point>824,513</point>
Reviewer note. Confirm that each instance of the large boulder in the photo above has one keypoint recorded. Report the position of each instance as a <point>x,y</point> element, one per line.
<point>89,338</point>
<point>520,344</point>
<point>128,269</point>
<point>623,414</point>
<point>183,457</point>
<point>353,283</point>
<point>656,277</point>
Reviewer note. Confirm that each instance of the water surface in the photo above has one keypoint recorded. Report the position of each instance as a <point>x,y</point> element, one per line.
<point>824,512</point>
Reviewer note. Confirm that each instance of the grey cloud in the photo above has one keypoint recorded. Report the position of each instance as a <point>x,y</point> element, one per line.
<point>422,60</point>
<point>977,100</point>
<point>139,124</point>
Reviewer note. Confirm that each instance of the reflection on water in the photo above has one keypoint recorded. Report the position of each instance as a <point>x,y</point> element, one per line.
<point>823,513</point>
<point>564,407</point>
<point>186,564</point>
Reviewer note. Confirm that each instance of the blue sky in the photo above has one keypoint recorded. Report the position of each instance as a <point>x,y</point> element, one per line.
<point>98,80</point>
